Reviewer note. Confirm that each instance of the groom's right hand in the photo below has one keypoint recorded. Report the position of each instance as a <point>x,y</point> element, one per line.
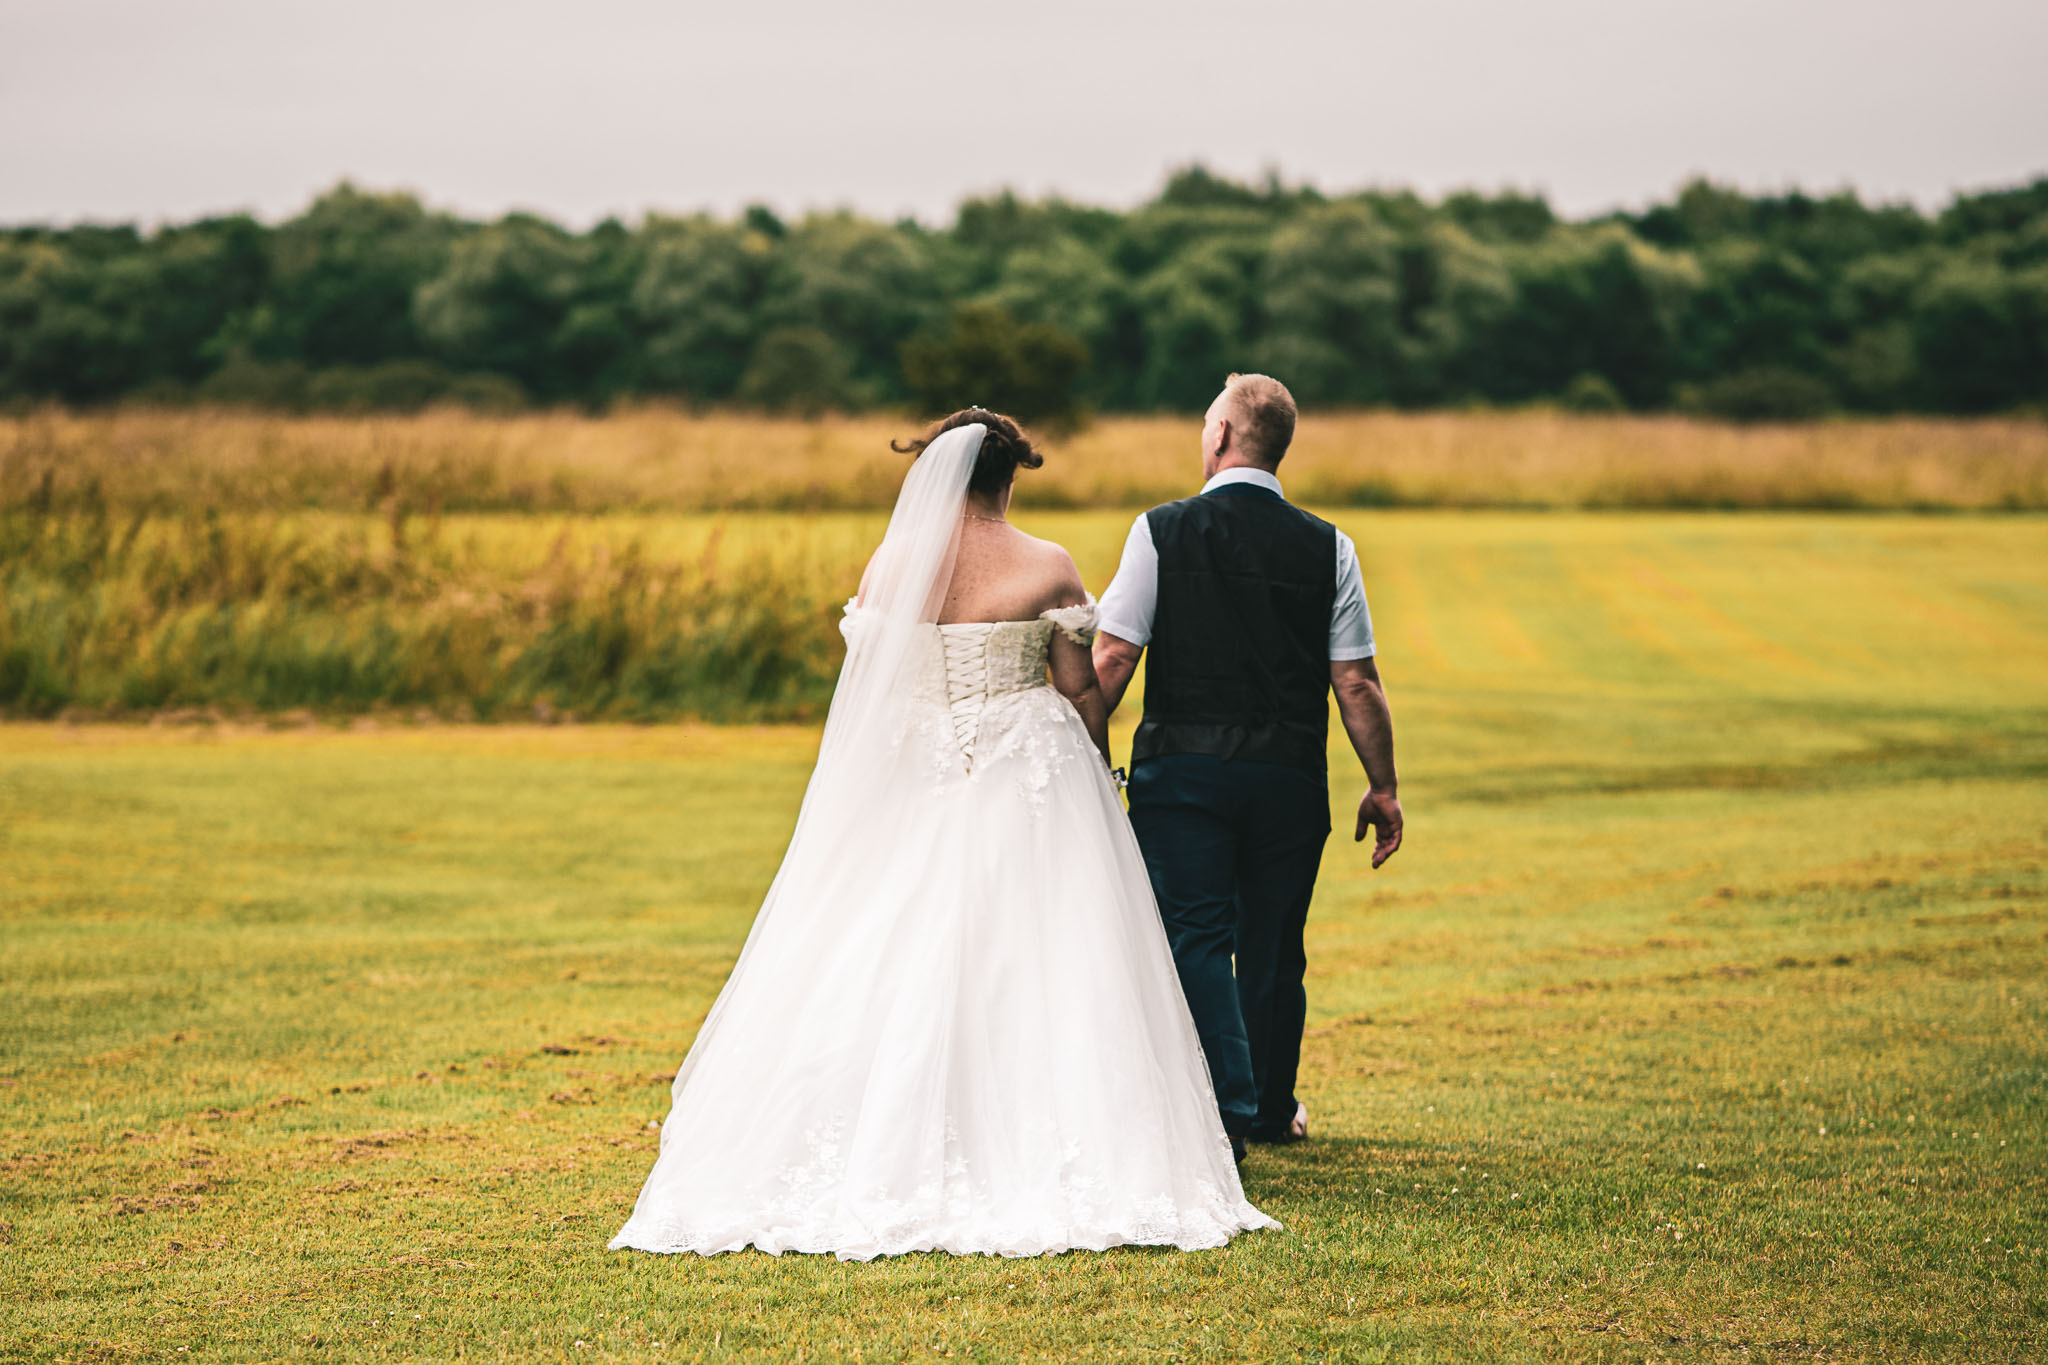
<point>1380,811</point>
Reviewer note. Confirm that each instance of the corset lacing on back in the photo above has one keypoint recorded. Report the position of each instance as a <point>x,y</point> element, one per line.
<point>972,663</point>
<point>965,650</point>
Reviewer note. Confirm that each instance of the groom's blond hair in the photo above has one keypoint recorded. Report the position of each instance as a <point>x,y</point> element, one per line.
<point>1265,414</point>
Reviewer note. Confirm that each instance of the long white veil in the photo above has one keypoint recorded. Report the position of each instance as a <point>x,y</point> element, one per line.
<point>862,759</point>
<point>904,589</point>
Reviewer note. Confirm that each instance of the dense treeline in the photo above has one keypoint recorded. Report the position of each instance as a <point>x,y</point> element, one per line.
<point>1764,307</point>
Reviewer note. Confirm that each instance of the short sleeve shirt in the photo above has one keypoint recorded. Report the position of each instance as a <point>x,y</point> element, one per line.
<point>1132,600</point>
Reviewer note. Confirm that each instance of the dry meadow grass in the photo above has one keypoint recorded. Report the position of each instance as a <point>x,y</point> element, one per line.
<point>659,459</point>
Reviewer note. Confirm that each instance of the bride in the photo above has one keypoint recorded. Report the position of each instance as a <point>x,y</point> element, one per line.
<point>955,1025</point>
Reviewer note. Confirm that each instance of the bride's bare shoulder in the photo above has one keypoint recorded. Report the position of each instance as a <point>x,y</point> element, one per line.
<point>1055,568</point>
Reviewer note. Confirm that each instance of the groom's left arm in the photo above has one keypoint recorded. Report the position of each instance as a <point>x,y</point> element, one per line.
<point>1369,722</point>
<point>1362,703</point>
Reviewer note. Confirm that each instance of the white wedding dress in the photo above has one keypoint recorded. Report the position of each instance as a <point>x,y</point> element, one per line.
<point>956,1024</point>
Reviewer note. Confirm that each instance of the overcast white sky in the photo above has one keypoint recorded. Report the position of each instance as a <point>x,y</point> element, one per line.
<point>165,109</point>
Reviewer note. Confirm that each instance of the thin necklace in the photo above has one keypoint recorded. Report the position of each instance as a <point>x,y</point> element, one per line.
<point>976,516</point>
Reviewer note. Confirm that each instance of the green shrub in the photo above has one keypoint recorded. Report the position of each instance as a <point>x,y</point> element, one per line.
<point>280,384</point>
<point>408,386</point>
<point>1769,394</point>
<point>986,357</point>
<point>1591,392</point>
<point>482,391</point>
<point>797,369</point>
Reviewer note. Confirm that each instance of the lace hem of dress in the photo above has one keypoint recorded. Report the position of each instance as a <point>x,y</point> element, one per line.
<point>1186,1231</point>
<point>817,1207</point>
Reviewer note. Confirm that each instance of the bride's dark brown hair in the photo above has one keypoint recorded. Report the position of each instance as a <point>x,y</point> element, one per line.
<point>1004,450</point>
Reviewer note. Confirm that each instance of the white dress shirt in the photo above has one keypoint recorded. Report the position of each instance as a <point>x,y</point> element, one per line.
<point>1132,599</point>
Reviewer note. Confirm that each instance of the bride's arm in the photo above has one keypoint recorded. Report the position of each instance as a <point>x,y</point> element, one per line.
<point>860,594</point>
<point>1073,676</point>
<point>1073,666</point>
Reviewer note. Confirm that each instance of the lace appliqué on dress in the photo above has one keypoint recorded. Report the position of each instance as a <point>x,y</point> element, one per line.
<point>817,1204</point>
<point>1080,624</point>
<point>980,703</point>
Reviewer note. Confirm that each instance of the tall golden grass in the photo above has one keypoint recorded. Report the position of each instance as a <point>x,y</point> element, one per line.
<point>157,560</point>
<point>660,459</point>
<point>105,614</point>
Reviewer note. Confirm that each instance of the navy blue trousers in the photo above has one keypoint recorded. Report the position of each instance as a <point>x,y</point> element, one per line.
<point>1233,849</point>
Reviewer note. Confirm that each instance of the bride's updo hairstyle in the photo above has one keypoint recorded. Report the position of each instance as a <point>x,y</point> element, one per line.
<point>1004,450</point>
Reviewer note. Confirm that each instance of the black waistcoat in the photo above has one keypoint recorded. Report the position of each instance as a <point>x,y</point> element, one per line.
<point>1239,661</point>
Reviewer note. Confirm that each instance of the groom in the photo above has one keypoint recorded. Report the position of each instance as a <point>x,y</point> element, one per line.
<point>1254,612</point>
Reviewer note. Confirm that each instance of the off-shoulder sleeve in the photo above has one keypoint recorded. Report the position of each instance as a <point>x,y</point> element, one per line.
<point>1078,624</point>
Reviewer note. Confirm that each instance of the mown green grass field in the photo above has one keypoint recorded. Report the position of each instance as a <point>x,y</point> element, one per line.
<point>1703,1016</point>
